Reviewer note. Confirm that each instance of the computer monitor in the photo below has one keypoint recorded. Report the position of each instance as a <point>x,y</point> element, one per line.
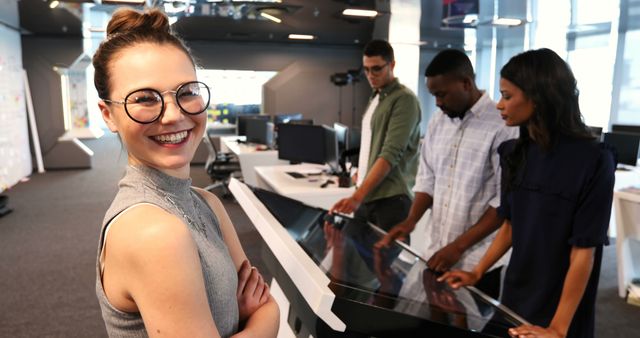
<point>342,133</point>
<point>354,143</point>
<point>308,143</point>
<point>626,146</point>
<point>259,131</point>
<point>241,122</point>
<point>625,128</point>
<point>302,121</point>
<point>286,118</point>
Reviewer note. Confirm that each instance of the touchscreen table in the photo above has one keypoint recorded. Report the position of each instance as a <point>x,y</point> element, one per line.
<point>338,285</point>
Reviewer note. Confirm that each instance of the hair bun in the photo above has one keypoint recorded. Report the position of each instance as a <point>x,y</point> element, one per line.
<point>126,20</point>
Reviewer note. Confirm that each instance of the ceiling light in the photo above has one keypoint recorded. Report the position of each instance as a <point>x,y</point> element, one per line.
<point>124,2</point>
<point>276,1</point>
<point>301,37</point>
<point>270,17</point>
<point>54,4</point>
<point>360,12</point>
<point>470,19</point>
<point>507,22</point>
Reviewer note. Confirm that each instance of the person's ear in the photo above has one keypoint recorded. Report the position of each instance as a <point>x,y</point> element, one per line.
<point>107,116</point>
<point>467,83</point>
<point>392,65</point>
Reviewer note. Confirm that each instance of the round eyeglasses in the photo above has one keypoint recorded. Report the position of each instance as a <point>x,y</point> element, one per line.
<point>147,105</point>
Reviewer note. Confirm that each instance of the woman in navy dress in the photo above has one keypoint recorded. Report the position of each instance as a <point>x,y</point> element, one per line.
<point>556,202</point>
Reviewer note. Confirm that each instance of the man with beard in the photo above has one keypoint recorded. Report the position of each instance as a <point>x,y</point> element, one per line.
<point>459,172</point>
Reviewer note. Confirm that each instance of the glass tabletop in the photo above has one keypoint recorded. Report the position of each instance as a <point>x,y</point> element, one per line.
<point>395,278</point>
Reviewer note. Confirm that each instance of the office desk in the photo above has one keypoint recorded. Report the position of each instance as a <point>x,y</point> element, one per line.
<point>275,178</point>
<point>306,190</point>
<point>343,288</point>
<point>627,212</point>
<point>249,156</point>
<point>624,179</point>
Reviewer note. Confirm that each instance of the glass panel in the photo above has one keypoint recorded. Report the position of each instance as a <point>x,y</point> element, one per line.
<point>594,11</point>
<point>629,105</point>
<point>233,92</point>
<point>594,83</point>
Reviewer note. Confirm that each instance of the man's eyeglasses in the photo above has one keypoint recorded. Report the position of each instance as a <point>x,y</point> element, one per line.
<point>147,105</point>
<point>374,69</point>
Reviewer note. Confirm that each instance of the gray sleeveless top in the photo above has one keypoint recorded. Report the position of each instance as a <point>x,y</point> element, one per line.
<point>147,185</point>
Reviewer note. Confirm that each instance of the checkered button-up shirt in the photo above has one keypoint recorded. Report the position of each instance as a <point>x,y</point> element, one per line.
<point>460,168</point>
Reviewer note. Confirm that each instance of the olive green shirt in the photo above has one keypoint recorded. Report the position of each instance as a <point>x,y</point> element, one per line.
<point>395,136</point>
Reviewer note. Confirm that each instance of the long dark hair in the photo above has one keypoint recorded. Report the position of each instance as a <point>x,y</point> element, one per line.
<point>548,82</point>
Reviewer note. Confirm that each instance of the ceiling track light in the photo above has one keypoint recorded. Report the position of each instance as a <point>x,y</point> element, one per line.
<point>364,13</point>
<point>53,4</point>
<point>301,37</point>
<point>270,17</point>
<point>508,22</point>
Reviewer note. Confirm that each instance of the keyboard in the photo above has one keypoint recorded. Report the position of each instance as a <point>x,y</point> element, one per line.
<point>295,174</point>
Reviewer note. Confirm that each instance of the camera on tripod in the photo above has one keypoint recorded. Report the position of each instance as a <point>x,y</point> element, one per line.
<point>343,79</point>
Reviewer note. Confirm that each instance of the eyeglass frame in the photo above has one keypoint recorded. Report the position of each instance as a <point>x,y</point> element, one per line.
<point>161,95</point>
<point>377,69</point>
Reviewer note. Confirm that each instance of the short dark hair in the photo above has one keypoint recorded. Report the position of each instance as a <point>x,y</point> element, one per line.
<point>450,62</point>
<point>379,48</point>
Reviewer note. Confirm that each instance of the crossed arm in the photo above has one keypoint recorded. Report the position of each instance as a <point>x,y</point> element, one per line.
<point>152,267</point>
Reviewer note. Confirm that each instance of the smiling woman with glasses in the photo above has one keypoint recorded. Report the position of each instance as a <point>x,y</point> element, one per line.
<point>169,260</point>
<point>146,105</point>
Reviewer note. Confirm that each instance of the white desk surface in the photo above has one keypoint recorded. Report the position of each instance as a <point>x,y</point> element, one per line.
<point>624,179</point>
<point>627,213</point>
<point>306,190</point>
<point>249,156</point>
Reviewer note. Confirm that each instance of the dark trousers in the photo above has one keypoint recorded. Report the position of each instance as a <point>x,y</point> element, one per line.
<point>385,212</point>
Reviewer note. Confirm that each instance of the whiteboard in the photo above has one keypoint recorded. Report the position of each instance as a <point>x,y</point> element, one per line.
<point>15,156</point>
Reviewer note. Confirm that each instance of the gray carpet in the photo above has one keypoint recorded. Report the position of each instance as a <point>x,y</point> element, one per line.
<point>48,249</point>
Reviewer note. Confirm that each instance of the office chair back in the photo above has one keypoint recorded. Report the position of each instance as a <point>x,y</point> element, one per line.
<point>219,166</point>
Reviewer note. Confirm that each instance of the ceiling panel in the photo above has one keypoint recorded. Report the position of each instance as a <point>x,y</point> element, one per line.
<point>321,18</point>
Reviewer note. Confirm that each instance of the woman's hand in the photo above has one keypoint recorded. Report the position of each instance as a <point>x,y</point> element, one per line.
<point>533,331</point>
<point>252,291</point>
<point>459,278</point>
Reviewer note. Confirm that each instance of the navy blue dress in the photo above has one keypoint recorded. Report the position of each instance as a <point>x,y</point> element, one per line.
<point>561,198</point>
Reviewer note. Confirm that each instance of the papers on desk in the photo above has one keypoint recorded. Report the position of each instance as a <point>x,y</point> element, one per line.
<point>309,171</point>
<point>633,292</point>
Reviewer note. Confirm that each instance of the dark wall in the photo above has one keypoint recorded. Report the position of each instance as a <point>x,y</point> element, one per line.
<point>307,90</point>
<point>39,57</point>
<point>303,83</point>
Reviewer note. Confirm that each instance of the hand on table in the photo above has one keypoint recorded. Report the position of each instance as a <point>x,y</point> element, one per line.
<point>346,205</point>
<point>399,231</point>
<point>444,258</point>
<point>459,278</point>
<point>533,331</point>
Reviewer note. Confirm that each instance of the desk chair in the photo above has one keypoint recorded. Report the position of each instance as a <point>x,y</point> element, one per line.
<point>220,167</point>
